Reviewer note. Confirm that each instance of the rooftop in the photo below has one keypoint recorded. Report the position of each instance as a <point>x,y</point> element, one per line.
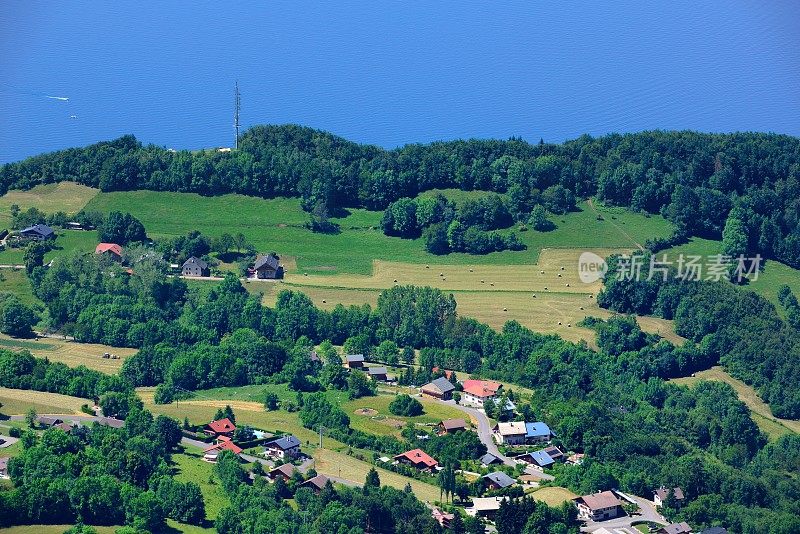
<point>500,478</point>
<point>600,500</point>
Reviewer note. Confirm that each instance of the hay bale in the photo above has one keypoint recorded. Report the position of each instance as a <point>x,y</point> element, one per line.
<point>581,308</point>
<point>395,280</point>
<point>545,288</point>
<point>324,301</point>
<point>567,285</point>
<point>541,272</point>
<point>427,266</point>
<point>505,309</point>
<point>569,325</point>
<point>562,267</point>
<point>559,323</point>
<point>559,275</point>
<point>481,281</point>
<point>534,295</point>
<point>591,296</point>
<point>470,270</point>
<point>491,284</point>
<point>441,274</point>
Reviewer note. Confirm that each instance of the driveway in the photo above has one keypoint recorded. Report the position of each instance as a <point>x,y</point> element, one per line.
<point>623,525</point>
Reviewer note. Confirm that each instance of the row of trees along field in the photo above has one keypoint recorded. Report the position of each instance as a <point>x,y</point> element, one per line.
<point>746,185</point>
<point>614,404</point>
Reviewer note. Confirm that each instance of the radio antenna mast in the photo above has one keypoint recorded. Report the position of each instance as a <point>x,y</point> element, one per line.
<point>237,106</point>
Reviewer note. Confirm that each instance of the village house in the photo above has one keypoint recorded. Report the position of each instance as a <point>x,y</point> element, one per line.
<point>497,480</point>
<point>285,471</point>
<point>675,528</point>
<point>539,458</point>
<point>268,267</point>
<point>377,373</point>
<point>512,433</point>
<point>449,426</point>
<point>660,495</point>
<point>211,453</point>
<point>441,389</point>
<point>315,484</point>
<point>354,361</point>
<point>485,507</point>
<point>37,232</point>
<point>537,432</point>
<point>195,267</point>
<point>418,459</point>
<point>109,250</point>
<point>47,422</point>
<point>110,422</point>
<point>221,427</point>
<point>476,392</point>
<point>282,448</point>
<point>490,459</point>
<point>598,506</point>
<point>443,518</point>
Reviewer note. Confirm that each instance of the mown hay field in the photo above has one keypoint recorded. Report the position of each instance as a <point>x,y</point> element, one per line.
<point>20,401</point>
<point>71,353</point>
<point>773,426</point>
<point>553,496</point>
<point>338,464</point>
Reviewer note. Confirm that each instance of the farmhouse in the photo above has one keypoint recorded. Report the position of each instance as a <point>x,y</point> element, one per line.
<point>211,453</point>
<point>37,232</point>
<point>109,250</point>
<point>675,528</point>
<point>510,433</point>
<point>598,506</point>
<point>449,426</point>
<point>537,432</point>
<point>284,447</point>
<point>539,458</point>
<point>285,471</point>
<point>316,484</point>
<point>485,506</point>
<point>417,458</point>
<point>660,495</point>
<point>377,373</point>
<point>497,480</point>
<point>221,427</point>
<point>354,361</point>
<point>476,392</point>
<point>195,267</point>
<point>441,388</point>
<point>268,267</point>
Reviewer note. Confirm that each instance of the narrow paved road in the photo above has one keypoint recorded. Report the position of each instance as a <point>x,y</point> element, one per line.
<point>485,435</point>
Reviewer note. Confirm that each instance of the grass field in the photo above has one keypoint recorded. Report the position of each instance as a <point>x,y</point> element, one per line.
<point>553,496</point>
<point>277,224</point>
<point>66,241</point>
<point>16,281</point>
<point>341,465</point>
<point>491,294</point>
<point>773,426</point>
<point>774,274</point>
<point>386,423</point>
<point>190,467</point>
<point>71,353</point>
<point>19,401</point>
<point>68,197</point>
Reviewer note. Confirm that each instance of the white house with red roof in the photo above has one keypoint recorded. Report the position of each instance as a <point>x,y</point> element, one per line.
<point>221,427</point>
<point>476,392</point>
<point>211,453</point>
<point>417,458</point>
<point>598,506</point>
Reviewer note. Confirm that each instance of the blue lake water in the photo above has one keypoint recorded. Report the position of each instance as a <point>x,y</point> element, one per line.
<point>390,72</point>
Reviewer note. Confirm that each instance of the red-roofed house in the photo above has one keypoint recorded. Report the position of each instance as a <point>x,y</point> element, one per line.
<point>112,250</point>
<point>417,458</point>
<point>210,454</point>
<point>476,392</point>
<point>223,427</point>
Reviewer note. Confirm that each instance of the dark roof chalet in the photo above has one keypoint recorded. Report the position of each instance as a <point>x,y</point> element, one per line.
<point>662,493</point>
<point>317,482</point>
<point>354,358</point>
<point>500,479</point>
<point>377,371</point>
<point>441,384</point>
<point>196,261</point>
<point>489,459</point>
<point>286,470</point>
<point>284,443</point>
<point>267,260</point>
<point>39,229</point>
<point>453,424</point>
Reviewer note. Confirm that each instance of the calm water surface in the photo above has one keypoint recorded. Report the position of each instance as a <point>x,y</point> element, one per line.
<point>392,72</point>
